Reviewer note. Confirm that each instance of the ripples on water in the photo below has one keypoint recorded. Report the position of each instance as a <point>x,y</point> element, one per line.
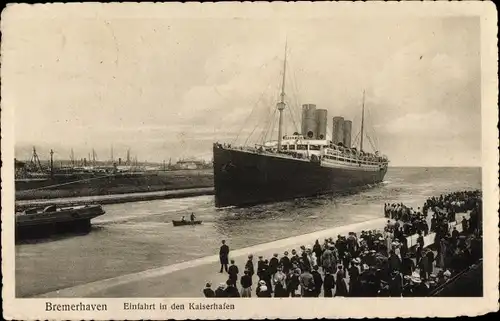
<point>132,237</point>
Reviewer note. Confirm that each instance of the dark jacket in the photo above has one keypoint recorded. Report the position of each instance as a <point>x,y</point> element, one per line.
<point>285,262</point>
<point>232,292</point>
<point>246,281</point>
<point>208,292</point>
<point>220,293</point>
<point>273,265</point>
<point>318,282</point>
<point>249,267</point>
<point>223,254</point>
<point>233,272</point>
<point>328,285</point>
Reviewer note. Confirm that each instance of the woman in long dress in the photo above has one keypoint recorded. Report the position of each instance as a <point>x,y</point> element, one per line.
<point>341,284</point>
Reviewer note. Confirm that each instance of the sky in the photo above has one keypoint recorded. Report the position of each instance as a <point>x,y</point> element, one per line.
<point>169,87</point>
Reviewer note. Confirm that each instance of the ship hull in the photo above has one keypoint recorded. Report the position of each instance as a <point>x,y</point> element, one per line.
<point>66,221</point>
<point>244,178</point>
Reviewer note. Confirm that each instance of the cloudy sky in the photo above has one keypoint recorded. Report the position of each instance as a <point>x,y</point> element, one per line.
<point>169,87</point>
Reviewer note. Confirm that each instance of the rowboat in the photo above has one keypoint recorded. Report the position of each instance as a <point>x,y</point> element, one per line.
<point>182,223</point>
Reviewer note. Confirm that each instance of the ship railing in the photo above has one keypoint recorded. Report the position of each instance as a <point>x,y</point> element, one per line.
<point>265,151</point>
<point>38,206</point>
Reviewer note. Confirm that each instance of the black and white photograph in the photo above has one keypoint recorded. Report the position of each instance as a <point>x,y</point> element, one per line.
<point>204,156</point>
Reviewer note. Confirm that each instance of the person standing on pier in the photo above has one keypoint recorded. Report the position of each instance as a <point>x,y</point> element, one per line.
<point>233,273</point>
<point>279,283</point>
<point>318,251</point>
<point>246,284</point>
<point>306,284</point>
<point>249,266</point>
<point>231,290</point>
<point>318,281</point>
<point>285,263</point>
<point>223,256</point>
<point>220,292</point>
<point>328,284</point>
<point>273,264</point>
<point>207,291</point>
<point>341,283</point>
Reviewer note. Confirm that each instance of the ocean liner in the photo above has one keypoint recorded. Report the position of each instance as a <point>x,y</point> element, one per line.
<point>299,165</point>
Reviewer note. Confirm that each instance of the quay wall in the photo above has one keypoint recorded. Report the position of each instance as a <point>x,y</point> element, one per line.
<point>75,186</point>
<point>115,198</point>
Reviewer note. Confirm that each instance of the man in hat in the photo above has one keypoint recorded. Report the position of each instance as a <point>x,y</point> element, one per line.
<point>223,256</point>
<point>220,292</point>
<point>233,273</point>
<point>293,282</point>
<point>285,263</point>
<point>295,258</point>
<point>231,290</point>
<point>306,284</point>
<point>246,285</point>
<point>261,266</point>
<point>273,264</point>
<point>318,251</point>
<point>328,284</point>
<point>327,258</point>
<point>207,291</point>
<point>395,284</point>
<point>318,281</point>
<point>249,266</point>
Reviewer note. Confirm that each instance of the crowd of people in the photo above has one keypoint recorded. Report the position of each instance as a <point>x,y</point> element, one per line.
<point>368,264</point>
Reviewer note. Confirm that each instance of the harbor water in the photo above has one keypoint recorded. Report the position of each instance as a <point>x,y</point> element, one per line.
<point>133,237</point>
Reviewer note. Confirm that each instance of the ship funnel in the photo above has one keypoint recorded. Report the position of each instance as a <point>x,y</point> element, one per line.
<point>321,121</point>
<point>309,125</point>
<point>338,130</point>
<point>347,133</point>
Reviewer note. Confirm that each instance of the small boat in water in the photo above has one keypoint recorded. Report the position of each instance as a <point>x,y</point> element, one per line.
<point>182,223</point>
<point>36,222</point>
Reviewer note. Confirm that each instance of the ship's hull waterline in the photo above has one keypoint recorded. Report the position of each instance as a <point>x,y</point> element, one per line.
<point>244,178</point>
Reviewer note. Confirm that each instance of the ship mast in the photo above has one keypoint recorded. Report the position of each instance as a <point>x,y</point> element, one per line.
<point>281,104</point>
<point>362,123</point>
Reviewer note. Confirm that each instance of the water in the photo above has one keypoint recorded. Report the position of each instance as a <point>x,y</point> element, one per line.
<point>133,237</point>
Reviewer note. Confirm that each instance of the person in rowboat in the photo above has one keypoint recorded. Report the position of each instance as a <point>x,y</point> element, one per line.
<point>193,217</point>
